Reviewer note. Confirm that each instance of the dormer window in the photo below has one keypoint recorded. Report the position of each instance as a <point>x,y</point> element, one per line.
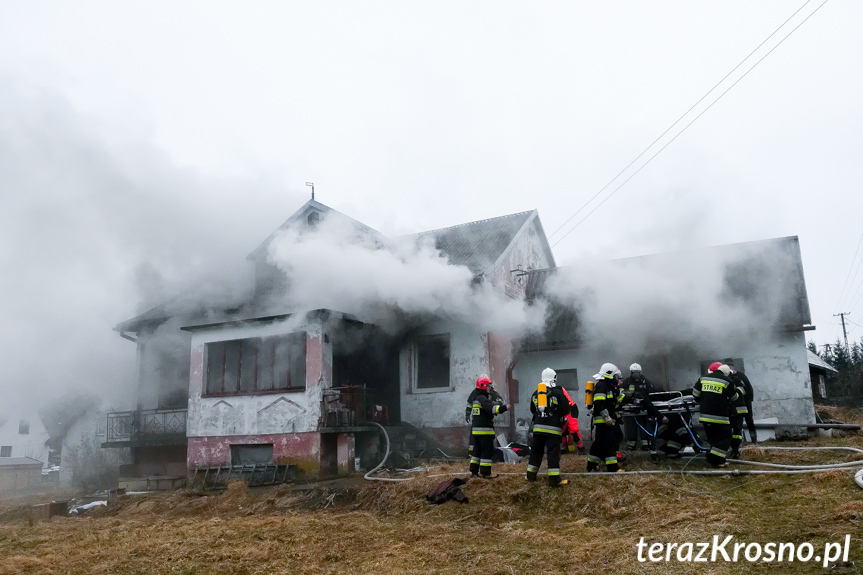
<point>313,218</point>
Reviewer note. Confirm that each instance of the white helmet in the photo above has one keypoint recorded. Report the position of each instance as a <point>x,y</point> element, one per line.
<point>724,369</point>
<point>609,370</point>
<point>549,376</point>
<point>634,367</point>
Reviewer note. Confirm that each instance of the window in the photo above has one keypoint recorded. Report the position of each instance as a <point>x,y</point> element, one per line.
<point>432,361</point>
<point>568,379</point>
<point>256,365</point>
<point>6,451</point>
<point>252,454</point>
<point>23,427</point>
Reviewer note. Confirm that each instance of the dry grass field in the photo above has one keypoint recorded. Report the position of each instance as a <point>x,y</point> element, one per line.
<point>592,525</point>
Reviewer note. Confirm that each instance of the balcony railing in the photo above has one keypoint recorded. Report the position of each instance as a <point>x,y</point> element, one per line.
<point>350,406</point>
<point>147,424</point>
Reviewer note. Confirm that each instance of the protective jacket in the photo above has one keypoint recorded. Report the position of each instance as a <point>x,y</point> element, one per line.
<point>742,404</point>
<point>495,397</point>
<point>638,390</point>
<point>550,420</point>
<point>483,410</point>
<point>715,393</point>
<point>607,399</point>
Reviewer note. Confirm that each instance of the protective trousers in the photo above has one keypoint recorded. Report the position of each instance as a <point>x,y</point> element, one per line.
<point>481,454</point>
<point>636,438</point>
<point>604,448</point>
<point>736,434</point>
<point>548,443</point>
<point>719,438</point>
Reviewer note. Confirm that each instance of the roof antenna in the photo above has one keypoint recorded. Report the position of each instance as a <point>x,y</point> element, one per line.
<point>312,184</point>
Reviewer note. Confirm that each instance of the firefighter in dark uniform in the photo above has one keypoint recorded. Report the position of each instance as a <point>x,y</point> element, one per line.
<point>483,410</point>
<point>495,397</point>
<point>607,398</point>
<point>638,389</point>
<point>742,409</point>
<point>549,407</point>
<point>715,394</point>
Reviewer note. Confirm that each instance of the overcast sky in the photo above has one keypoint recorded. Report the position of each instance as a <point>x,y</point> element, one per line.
<point>144,144</point>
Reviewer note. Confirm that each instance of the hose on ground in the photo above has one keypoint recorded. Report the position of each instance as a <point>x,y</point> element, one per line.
<point>368,475</point>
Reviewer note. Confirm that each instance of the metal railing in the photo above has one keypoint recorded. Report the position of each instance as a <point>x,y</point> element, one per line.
<point>146,424</point>
<point>350,406</point>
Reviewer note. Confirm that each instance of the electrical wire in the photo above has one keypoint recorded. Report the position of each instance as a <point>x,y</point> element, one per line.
<point>687,125</point>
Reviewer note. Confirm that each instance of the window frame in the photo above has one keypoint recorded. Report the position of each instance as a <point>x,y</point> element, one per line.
<point>415,356</point>
<point>23,427</point>
<point>237,353</point>
<point>5,451</point>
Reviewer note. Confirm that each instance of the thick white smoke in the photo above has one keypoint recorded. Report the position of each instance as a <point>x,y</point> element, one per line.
<point>650,304</point>
<point>338,267</point>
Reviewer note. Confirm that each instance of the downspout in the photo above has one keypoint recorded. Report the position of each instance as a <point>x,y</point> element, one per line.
<point>512,390</point>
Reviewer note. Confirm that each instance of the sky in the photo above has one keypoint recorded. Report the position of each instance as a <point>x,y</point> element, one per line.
<point>147,147</point>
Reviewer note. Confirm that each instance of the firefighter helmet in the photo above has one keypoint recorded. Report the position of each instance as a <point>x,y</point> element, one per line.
<point>724,370</point>
<point>713,366</point>
<point>549,377</point>
<point>483,382</point>
<point>609,370</point>
<point>634,367</point>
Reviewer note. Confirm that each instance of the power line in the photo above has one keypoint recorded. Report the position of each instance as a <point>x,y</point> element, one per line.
<point>854,259</point>
<point>687,125</point>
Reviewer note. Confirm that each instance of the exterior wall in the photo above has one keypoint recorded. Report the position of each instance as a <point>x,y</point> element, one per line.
<point>83,456</point>
<point>440,412</point>
<point>16,479</point>
<point>163,368</point>
<point>215,422</point>
<point>527,252</point>
<point>778,369</point>
<point>31,444</point>
<point>301,449</point>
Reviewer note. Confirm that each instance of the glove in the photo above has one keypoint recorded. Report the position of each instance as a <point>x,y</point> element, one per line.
<point>502,408</point>
<point>664,419</point>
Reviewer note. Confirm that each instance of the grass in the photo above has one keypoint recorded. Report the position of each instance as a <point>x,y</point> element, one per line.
<point>509,526</point>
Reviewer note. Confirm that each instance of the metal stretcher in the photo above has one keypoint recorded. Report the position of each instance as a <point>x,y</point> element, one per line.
<point>671,404</point>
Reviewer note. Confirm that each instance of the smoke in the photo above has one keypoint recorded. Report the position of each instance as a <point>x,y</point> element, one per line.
<point>96,226</point>
<point>693,299</point>
<point>337,266</point>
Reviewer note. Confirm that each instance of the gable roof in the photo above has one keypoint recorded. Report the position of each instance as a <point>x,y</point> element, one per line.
<point>478,245</point>
<point>301,215</point>
<point>816,361</point>
<point>18,461</point>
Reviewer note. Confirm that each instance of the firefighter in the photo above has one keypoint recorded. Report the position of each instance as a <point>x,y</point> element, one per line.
<point>742,409</point>
<point>715,394</point>
<point>606,401</point>
<point>549,407</point>
<point>483,410</point>
<point>495,397</point>
<point>638,389</point>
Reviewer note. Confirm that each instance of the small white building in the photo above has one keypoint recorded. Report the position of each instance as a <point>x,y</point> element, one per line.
<point>23,434</point>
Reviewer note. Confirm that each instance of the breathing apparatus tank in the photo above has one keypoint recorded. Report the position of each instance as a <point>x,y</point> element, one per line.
<point>588,393</point>
<point>541,397</point>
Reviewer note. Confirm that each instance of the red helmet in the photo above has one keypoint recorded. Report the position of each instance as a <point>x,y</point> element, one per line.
<point>714,366</point>
<point>483,383</point>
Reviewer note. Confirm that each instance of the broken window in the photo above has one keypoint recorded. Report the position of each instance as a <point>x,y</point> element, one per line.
<point>6,451</point>
<point>256,365</point>
<point>432,361</point>
<point>23,427</point>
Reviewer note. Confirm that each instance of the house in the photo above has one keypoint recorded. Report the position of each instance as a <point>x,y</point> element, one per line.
<point>674,314</point>
<point>23,434</point>
<point>19,475</point>
<point>346,328</point>
<point>819,372</point>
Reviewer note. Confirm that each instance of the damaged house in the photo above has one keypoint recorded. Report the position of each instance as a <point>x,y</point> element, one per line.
<point>346,329</point>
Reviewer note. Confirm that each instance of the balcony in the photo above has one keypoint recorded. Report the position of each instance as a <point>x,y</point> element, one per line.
<point>350,407</point>
<point>146,427</point>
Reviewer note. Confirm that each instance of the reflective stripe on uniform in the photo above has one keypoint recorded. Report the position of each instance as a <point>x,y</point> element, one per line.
<point>482,431</point>
<point>474,459</point>
<point>741,409</point>
<point>598,397</point>
<point>713,418</point>
<point>611,461</point>
<point>550,429</point>
<point>673,445</point>
<point>532,468</point>
<point>485,462</point>
<point>594,459</point>
<point>713,385</point>
<point>554,470</point>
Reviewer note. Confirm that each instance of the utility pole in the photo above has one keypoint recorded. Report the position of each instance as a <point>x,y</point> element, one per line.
<point>845,333</point>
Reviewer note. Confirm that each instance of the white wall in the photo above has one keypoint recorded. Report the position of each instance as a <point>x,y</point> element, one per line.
<point>271,413</point>
<point>31,444</point>
<point>445,407</point>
